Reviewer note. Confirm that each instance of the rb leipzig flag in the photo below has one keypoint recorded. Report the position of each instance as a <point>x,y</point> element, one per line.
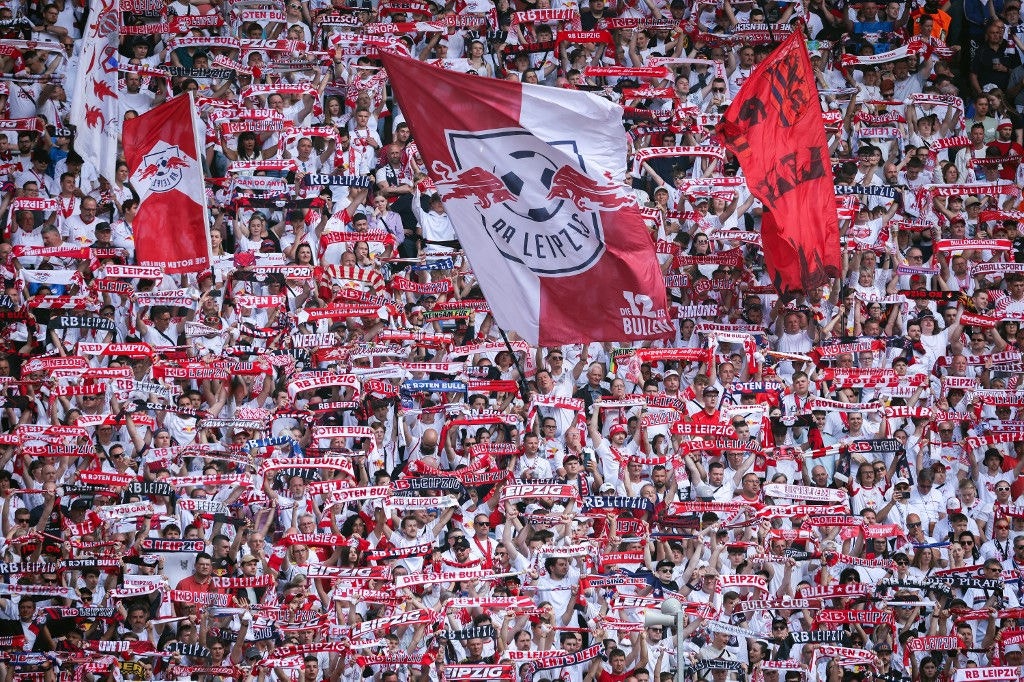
<point>775,129</point>
<point>161,150</point>
<point>532,180</point>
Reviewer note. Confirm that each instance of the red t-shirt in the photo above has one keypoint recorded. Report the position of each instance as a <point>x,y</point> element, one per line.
<point>611,677</point>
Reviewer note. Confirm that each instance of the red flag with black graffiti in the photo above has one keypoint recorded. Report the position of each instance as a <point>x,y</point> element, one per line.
<point>775,129</point>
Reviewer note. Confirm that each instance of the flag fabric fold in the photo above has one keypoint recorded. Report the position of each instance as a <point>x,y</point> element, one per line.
<point>532,179</point>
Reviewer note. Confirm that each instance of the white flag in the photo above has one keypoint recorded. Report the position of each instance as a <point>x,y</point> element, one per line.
<point>94,104</point>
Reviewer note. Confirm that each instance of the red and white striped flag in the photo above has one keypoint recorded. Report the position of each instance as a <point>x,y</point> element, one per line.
<point>533,180</point>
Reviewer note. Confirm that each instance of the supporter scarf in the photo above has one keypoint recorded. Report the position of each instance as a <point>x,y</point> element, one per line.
<point>106,479</point>
<point>802,492</point>
<point>615,23</point>
<point>477,672</point>
<point>543,491</point>
<point>36,204</point>
<point>1011,510</point>
<point>77,322</point>
<point>835,520</point>
<point>567,660</point>
<point>834,350</point>
<point>76,253</point>
<point>133,350</point>
<point>817,403</point>
<point>642,155</point>
<point>446,483</point>
<point>704,430</point>
<point>833,558</point>
<point>323,380</point>
<point>199,598</point>
<point>866,617</point>
<point>980,188</point>
<point>402,552</point>
<point>946,245</point>
<point>726,582</point>
<point>626,71</point>
<point>618,558</point>
<point>7,568</point>
<point>970,582</point>
<point>834,591</point>
<point>638,503</point>
<point>371,236</point>
<point>987,673</point>
<point>696,507</point>
<point>266,165</point>
<point>547,15</point>
<point>387,623</point>
<point>867,190</point>
<point>89,612</point>
<point>129,591</point>
<point>345,496</point>
<point>204,505</point>
<point>990,268</point>
<point>243,582</point>
<point>791,510</point>
<point>734,630</point>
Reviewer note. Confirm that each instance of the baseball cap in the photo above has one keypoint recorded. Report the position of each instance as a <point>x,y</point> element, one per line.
<point>710,390</point>
<point>617,428</point>
<point>992,452</point>
<point>248,558</point>
<point>671,373</point>
<point>971,201</point>
<point>460,543</point>
<point>953,504</point>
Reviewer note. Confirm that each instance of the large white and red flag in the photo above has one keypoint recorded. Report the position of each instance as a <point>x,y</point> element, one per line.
<point>162,151</point>
<point>94,102</point>
<point>532,178</point>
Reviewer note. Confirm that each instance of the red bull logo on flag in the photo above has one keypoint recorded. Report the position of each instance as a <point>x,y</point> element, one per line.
<point>162,168</point>
<point>535,200</point>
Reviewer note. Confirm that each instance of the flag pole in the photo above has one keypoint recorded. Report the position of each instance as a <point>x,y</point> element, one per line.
<point>522,377</point>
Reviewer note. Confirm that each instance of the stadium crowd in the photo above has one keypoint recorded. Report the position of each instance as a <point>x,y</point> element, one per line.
<point>321,460</point>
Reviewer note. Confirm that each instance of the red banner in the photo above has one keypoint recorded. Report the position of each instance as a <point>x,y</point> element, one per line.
<point>162,152</point>
<point>775,129</point>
